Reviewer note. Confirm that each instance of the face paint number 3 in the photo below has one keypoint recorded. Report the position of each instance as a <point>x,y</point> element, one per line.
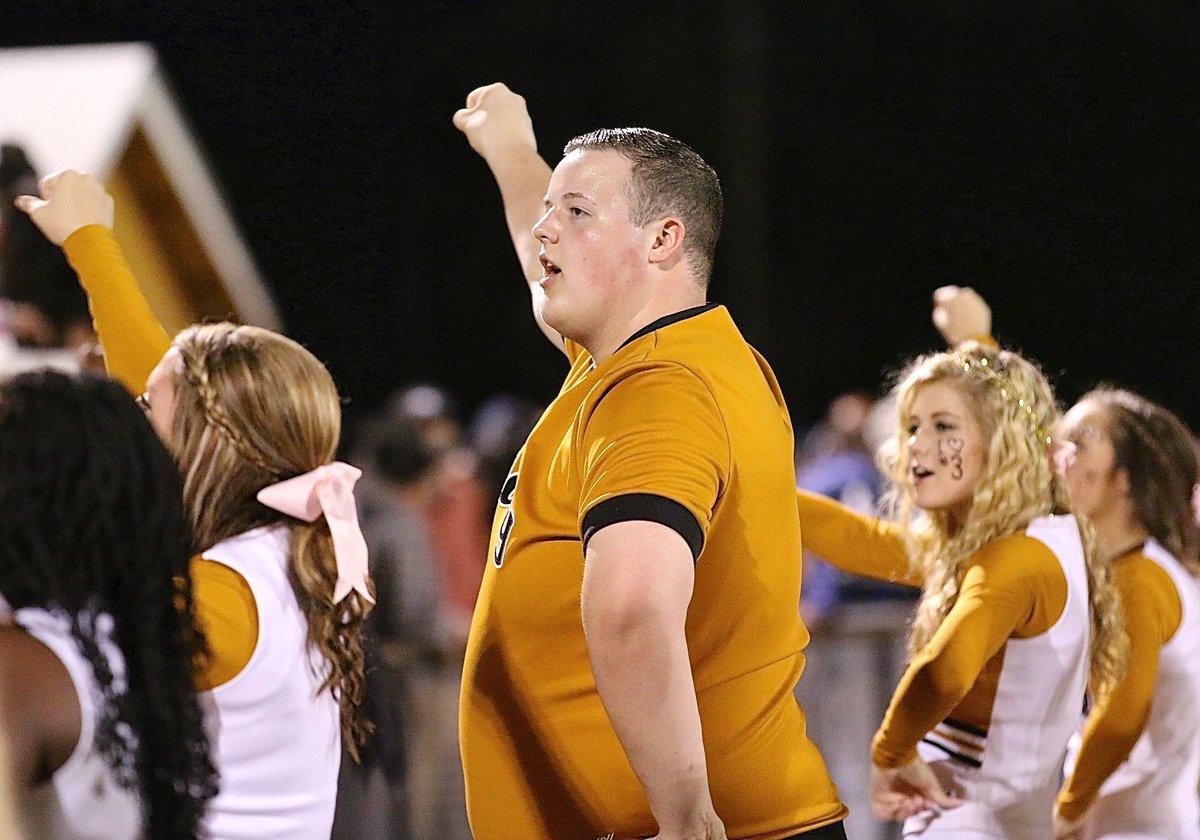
<point>949,451</point>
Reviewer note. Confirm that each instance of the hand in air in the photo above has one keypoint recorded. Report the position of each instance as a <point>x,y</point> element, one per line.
<point>496,120</point>
<point>901,792</point>
<point>69,200</point>
<point>959,314</point>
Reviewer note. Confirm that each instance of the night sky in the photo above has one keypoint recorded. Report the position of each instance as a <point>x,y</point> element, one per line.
<point>1045,153</point>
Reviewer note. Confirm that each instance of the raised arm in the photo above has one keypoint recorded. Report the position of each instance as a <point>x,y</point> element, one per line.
<point>75,212</point>
<point>960,314</point>
<point>497,125</point>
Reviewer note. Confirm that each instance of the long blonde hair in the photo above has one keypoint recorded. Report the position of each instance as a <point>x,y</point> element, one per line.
<point>1014,407</point>
<point>253,407</point>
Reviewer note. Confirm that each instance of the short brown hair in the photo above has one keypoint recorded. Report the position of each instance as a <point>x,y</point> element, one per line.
<point>669,179</point>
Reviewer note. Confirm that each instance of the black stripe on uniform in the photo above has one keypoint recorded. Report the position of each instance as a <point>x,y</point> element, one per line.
<point>965,727</point>
<point>957,756</point>
<point>645,506</point>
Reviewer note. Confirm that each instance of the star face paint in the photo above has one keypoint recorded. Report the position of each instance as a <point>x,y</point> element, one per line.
<point>945,449</point>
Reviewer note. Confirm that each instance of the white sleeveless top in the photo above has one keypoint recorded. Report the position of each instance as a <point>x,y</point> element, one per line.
<point>1010,794</point>
<point>276,736</point>
<point>1153,793</point>
<point>82,800</point>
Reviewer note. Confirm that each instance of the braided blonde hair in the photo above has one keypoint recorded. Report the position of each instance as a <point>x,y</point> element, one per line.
<point>253,407</point>
<point>1014,406</point>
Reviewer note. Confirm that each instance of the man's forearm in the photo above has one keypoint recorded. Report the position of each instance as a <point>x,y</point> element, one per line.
<point>644,678</point>
<point>523,177</point>
<point>497,125</point>
<point>637,584</point>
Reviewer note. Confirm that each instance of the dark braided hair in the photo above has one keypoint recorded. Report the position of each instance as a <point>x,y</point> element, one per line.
<point>92,524</point>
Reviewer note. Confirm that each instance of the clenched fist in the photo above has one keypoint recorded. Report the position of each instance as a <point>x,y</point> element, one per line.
<point>495,120</point>
<point>69,200</point>
<point>961,314</point>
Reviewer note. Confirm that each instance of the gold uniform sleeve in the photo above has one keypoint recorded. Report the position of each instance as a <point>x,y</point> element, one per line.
<point>1013,587</point>
<point>131,335</point>
<point>858,544</point>
<point>1153,612</point>
<point>654,447</point>
<point>228,616</point>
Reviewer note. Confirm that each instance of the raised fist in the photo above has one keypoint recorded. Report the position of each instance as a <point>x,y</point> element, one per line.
<point>495,120</point>
<point>960,314</point>
<point>69,200</point>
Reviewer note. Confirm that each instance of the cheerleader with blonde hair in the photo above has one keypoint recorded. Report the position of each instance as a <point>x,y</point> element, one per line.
<point>1132,471</point>
<point>1013,615</point>
<point>253,420</point>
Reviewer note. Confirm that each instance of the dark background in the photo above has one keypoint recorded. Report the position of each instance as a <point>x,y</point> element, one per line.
<point>1045,153</point>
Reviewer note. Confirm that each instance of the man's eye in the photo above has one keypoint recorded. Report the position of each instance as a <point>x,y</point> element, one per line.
<point>577,211</point>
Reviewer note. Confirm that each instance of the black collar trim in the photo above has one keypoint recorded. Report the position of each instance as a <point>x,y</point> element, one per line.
<point>667,320</point>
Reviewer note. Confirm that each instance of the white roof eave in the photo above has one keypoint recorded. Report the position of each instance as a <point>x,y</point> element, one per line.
<point>75,107</point>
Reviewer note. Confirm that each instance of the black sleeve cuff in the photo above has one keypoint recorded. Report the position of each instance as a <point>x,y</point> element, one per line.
<point>649,507</point>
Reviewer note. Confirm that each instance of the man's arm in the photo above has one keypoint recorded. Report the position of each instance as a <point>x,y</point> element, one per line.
<point>498,127</point>
<point>637,584</point>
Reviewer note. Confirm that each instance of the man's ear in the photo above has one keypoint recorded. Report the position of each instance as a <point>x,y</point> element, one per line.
<point>667,243</point>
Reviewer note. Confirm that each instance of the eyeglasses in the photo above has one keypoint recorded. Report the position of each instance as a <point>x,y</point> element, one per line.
<point>143,402</point>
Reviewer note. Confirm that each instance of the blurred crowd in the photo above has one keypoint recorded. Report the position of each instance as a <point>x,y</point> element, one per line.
<point>858,625</point>
<point>44,320</point>
<point>426,501</point>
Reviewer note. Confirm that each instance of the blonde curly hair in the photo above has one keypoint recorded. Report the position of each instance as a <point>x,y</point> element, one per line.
<point>1014,407</point>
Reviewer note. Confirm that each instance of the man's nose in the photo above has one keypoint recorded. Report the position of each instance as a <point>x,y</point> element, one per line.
<point>543,230</point>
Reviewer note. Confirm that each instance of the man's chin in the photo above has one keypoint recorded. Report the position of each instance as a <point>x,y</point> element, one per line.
<point>552,319</point>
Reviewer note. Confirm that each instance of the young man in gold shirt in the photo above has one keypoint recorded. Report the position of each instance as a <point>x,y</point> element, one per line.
<point>632,658</point>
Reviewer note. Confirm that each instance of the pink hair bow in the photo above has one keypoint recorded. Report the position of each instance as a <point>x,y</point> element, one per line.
<point>328,490</point>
